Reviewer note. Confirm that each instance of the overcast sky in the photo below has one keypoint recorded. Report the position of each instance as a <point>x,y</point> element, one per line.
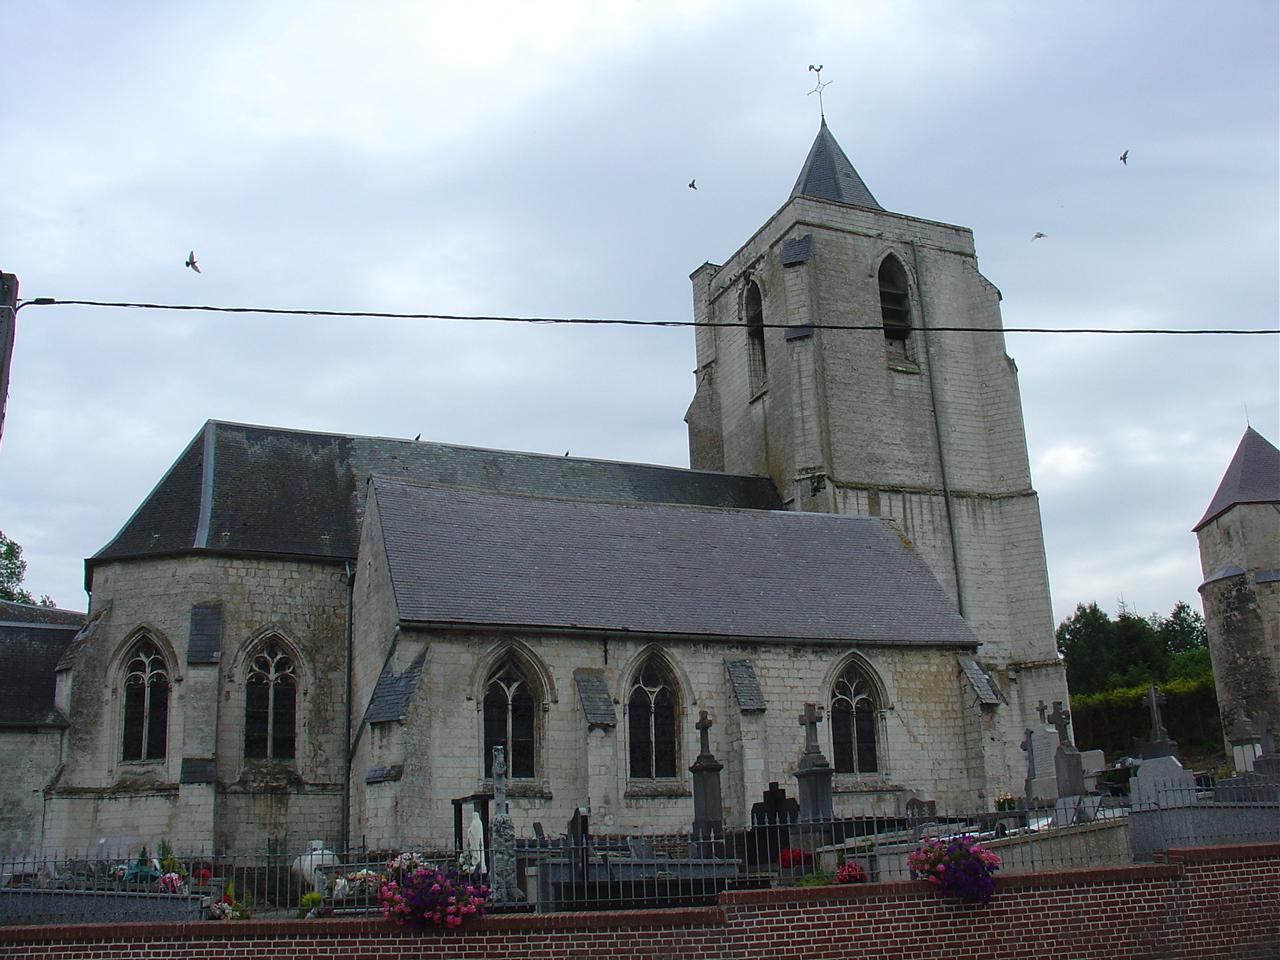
<point>532,159</point>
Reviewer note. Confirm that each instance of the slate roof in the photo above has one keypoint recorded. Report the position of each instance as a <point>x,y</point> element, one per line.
<point>32,639</point>
<point>256,490</point>
<point>827,174</point>
<point>593,694</point>
<point>1253,476</point>
<point>391,695</point>
<point>475,558</point>
<point>746,685</point>
<point>982,685</point>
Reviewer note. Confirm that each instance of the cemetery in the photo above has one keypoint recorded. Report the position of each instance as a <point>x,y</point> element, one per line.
<point>1061,837</point>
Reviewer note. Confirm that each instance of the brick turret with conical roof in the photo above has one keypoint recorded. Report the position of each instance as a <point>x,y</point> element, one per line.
<point>1239,538</point>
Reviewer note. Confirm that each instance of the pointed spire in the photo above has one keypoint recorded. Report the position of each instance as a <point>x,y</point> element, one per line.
<point>828,175</point>
<point>1252,477</point>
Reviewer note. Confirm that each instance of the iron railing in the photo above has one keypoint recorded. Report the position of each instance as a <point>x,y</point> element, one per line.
<point>581,870</point>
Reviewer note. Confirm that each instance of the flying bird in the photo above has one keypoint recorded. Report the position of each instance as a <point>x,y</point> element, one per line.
<point>1124,158</point>
<point>693,184</point>
<point>817,69</point>
<point>1038,235</point>
<point>191,262</point>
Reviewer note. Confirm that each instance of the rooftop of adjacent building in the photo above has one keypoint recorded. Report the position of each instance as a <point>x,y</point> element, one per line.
<point>1253,476</point>
<point>32,639</point>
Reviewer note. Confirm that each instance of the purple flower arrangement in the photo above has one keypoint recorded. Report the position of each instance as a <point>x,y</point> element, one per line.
<point>959,867</point>
<point>421,896</point>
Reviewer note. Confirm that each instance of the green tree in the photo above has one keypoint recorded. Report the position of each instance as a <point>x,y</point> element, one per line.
<point>1086,643</point>
<point>1182,631</point>
<point>1106,653</point>
<point>12,571</point>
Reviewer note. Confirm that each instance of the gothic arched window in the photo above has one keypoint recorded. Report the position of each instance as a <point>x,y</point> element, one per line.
<point>146,703</point>
<point>510,709</point>
<point>753,310</point>
<point>895,309</point>
<point>651,722</point>
<point>270,705</point>
<point>854,722</point>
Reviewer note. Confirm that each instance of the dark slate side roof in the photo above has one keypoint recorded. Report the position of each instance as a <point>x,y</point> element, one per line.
<point>1253,476</point>
<point>32,639</point>
<point>746,685</point>
<point>391,696</point>
<point>593,694</point>
<point>263,490</point>
<point>827,174</point>
<point>473,558</point>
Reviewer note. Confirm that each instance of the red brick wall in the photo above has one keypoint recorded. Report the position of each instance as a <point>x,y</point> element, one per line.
<point>1221,902</point>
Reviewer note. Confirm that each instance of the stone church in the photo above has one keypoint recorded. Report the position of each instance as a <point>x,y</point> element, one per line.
<point>306,635</point>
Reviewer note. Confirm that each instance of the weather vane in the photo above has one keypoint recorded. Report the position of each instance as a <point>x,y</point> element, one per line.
<point>818,89</point>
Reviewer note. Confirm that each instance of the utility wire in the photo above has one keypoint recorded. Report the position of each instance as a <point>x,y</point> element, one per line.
<point>604,321</point>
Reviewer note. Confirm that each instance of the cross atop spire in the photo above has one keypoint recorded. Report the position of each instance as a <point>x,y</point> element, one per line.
<point>818,89</point>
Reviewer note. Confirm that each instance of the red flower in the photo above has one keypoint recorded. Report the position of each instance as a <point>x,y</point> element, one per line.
<point>793,857</point>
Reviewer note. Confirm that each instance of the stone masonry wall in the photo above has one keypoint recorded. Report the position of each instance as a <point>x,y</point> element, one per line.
<point>922,738</point>
<point>98,795</point>
<point>878,420</point>
<point>28,758</point>
<point>1242,612</point>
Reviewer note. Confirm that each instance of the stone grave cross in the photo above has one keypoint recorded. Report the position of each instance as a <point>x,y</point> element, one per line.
<point>703,726</point>
<point>810,719</point>
<point>708,805</point>
<point>1154,700</point>
<point>499,782</point>
<point>1061,719</point>
<point>813,772</point>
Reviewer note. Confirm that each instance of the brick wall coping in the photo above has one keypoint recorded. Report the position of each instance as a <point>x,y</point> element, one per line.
<point>898,889</point>
<point>1236,851</point>
<point>316,929</point>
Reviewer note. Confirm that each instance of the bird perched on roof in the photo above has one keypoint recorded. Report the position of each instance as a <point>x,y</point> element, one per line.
<point>1124,158</point>
<point>693,184</point>
<point>191,262</point>
<point>1038,235</point>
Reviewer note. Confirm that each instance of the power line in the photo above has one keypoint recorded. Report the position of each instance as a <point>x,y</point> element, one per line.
<point>618,322</point>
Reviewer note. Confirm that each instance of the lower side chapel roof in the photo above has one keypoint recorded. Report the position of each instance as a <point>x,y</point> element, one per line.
<point>247,489</point>
<point>474,558</point>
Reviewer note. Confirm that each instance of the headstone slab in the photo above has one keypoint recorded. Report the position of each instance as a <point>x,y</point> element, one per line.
<point>1044,744</point>
<point>1069,770</point>
<point>1076,811</point>
<point>1162,782</point>
<point>775,807</point>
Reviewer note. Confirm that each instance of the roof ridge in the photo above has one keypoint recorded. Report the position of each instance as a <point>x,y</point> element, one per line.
<point>480,449</point>
<point>796,515</point>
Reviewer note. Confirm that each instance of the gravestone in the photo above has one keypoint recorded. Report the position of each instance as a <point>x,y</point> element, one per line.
<point>1041,783</point>
<point>708,808</point>
<point>813,772</point>
<point>775,808</point>
<point>1261,783</point>
<point>1162,782</point>
<point>502,837</point>
<point>771,822</point>
<point>1159,743</point>
<point>1066,759</point>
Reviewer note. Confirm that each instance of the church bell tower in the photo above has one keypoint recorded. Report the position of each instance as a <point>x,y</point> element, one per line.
<point>856,356</point>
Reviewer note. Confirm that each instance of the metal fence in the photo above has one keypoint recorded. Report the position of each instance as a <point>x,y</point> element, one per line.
<point>583,870</point>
